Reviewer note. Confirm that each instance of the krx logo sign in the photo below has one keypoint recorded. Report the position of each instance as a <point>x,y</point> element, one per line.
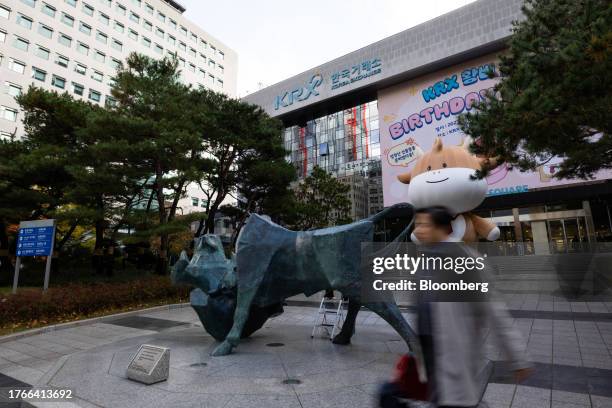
<point>299,94</point>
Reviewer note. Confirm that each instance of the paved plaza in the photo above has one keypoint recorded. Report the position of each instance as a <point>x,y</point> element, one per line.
<point>571,351</point>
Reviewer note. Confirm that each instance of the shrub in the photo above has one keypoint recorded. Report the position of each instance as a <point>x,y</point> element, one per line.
<point>30,307</point>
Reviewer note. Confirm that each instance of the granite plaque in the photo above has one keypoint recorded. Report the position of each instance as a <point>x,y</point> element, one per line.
<point>150,365</point>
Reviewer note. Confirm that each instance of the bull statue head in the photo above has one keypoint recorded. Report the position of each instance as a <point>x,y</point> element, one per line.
<point>214,298</point>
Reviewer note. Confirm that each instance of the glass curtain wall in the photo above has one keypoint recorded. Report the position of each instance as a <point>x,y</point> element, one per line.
<point>342,143</point>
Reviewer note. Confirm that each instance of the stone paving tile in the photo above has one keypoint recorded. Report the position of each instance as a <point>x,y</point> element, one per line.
<point>566,343</point>
<point>601,402</point>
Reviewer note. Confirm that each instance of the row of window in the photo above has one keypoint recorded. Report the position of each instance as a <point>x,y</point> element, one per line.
<point>122,10</point>
<point>100,36</point>
<point>44,53</point>
<point>59,81</point>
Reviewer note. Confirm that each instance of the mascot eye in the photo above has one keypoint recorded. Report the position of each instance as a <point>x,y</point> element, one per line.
<point>443,164</point>
<point>428,168</point>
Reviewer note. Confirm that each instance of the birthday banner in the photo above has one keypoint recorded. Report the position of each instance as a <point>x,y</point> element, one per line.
<point>414,113</point>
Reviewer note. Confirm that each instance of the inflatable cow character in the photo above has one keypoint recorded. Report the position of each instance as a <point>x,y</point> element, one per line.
<point>444,177</point>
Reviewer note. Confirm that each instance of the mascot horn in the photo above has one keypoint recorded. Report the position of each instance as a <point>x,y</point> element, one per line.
<point>444,177</point>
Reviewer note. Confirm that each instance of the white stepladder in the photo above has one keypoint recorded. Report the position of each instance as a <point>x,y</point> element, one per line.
<point>329,314</point>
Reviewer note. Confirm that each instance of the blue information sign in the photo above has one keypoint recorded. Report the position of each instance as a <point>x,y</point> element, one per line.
<point>35,241</point>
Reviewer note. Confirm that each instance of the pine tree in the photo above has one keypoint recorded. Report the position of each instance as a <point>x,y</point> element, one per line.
<point>555,94</point>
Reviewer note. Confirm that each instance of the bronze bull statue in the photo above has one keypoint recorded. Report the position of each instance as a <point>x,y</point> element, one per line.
<point>235,298</point>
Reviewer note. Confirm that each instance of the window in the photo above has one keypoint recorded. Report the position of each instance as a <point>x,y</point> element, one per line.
<point>97,76</point>
<point>80,69</point>
<point>184,31</point>
<point>31,3</point>
<point>192,52</point>
<point>5,12</point>
<point>5,136</point>
<point>195,201</point>
<point>213,49</point>
<point>133,35</point>
<point>120,9</point>
<point>77,88</point>
<point>220,83</point>
<point>100,36</point>
<point>62,61</point>
<point>161,17</point>
<point>149,8</point>
<point>87,9</point>
<point>48,10</point>
<point>211,63</point>
<point>137,3</point>
<point>134,17</point>
<point>118,45</point>
<point>45,31</point>
<point>172,23</point>
<point>94,95</point>
<point>147,25</point>
<point>182,46</point>
<point>39,74</point>
<point>192,67</point>
<point>171,40</point>
<point>42,52</point>
<point>158,48</point>
<point>221,55</point>
<point>203,58</point>
<point>212,78</point>
<point>25,22</point>
<point>21,43</point>
<point>82,48</point>
<point>58,82</point>
<point>104,19</point>
<point>159,32</point>
<point>64,40</point>
<point>110,101</point>
<point>2,38</point>
<point>181,62</point>
<point>119,27</point>
<point>8,113</point>
<point>99,56</point>
<point>146,42</point>
<point>71,2</point>
<point>12,89</point>
<point>107,3</point>
<point>67,19</point>
<point>194,38</point>
<point>221,69</point>
<point>115,64</point>
<point>203,43</point>
<point>85,28</point>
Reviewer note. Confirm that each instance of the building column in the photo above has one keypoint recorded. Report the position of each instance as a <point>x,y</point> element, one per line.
<point>518,232</point>
<point>590,225</point>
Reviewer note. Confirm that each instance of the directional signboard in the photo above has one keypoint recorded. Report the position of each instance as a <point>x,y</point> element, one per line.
<point>35,238</point>
<point>35,241</point>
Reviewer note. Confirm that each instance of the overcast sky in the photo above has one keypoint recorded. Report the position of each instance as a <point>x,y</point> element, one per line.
<point>276,39</point>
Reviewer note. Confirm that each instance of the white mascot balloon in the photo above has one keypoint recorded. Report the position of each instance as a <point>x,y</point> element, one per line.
<point>442,177</point>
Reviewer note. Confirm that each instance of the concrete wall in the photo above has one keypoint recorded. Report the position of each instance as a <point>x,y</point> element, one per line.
<point>469,31</point>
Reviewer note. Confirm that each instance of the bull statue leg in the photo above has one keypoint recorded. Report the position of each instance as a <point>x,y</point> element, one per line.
<point>348,327</point>
<point>392,315</point>
<point>243,305</point>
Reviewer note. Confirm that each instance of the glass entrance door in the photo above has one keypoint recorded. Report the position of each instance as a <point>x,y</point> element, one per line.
<point>556,236</point>
<point>567,235</point>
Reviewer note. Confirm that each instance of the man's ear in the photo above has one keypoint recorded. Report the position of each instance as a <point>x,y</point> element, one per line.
<point>404,177</point>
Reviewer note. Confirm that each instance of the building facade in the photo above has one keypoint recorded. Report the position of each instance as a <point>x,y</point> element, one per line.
<point>369,114</point>
<point>75,46</point>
